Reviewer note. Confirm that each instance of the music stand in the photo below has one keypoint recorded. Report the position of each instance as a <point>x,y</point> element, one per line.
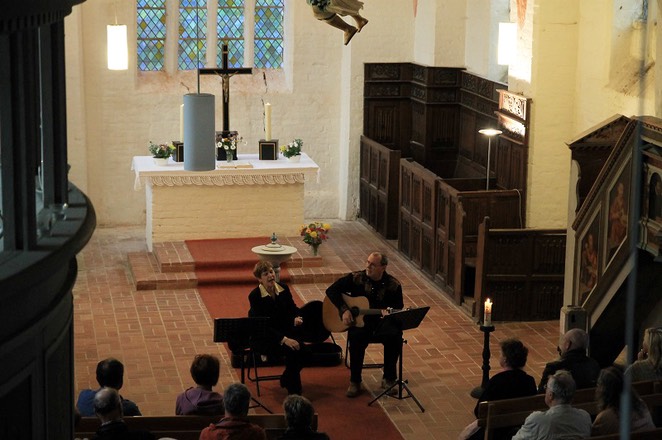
<point>238,332</point>
<point>402,320</point>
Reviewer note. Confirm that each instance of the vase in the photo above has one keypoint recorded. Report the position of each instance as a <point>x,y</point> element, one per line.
<point>229,156</point>
<point>161,161</point>
<point>296,158</point>
<point>315,249</point>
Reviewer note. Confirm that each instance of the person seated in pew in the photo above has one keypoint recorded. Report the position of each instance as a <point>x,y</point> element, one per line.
<point>274,301</point>
<point>561,420</point>
<point>648,365</point>
<point>608,395</point>
<point>235,425</point>
<point>299,414</point>
<point>110,373</point>
<point>202,400</point>
<point>572,350</point>
<point>510,383</point>
<point>384,292</point>
<point>108,408</point>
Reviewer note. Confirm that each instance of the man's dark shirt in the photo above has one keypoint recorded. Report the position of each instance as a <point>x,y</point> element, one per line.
<point>584,370</point>
<point>117,430</point>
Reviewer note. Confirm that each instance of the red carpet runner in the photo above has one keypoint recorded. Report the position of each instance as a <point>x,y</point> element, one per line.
<point>225,269</point>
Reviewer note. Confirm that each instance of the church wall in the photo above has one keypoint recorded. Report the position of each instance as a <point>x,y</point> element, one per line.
<point>318,99</point>
<point>482,28</point>
<point>440,33</point>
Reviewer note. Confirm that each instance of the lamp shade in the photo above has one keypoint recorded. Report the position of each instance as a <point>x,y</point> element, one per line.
<point>118,55</point>
<point>507,43</point>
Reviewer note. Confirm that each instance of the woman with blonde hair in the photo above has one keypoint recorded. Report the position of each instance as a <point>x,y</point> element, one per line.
<point>648,365</point>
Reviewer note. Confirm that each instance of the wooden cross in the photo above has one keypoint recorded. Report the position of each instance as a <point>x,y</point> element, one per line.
<point>225,72</point>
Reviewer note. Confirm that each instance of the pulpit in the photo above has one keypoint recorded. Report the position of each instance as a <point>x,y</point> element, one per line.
<point>253,198</point>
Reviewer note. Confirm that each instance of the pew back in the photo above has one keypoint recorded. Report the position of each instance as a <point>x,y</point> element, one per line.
<point>185,427</point>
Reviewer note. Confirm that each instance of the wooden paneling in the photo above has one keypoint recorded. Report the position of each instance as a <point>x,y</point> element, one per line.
<point>521,270</point>
<point>379,185</point>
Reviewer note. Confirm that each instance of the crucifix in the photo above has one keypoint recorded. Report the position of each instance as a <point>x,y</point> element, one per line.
<point>225,72</point>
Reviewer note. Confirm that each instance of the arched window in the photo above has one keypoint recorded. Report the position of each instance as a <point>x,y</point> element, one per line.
<point>253,30</point>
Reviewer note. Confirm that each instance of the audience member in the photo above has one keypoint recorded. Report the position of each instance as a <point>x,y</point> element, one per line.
<point>110,373</point>
<point>274,301</point>
<point>511,382</point>
<point>561,420</point>
<point>572,349</point>
<point>108,408</point>
<point>383,291</point>
<point>299,414</point>
<point>201,400</point>
<point>648,365</point>
<point>234,425</point>
<point>608,395</point>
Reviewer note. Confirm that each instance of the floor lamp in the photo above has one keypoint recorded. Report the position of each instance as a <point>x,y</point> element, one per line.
<point>490,133</point>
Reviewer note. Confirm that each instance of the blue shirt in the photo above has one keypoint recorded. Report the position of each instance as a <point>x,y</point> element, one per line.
<point>85,404</point>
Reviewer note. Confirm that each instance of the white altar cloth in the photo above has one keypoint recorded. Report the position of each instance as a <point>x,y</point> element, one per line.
<point>223,203</point>
<point>261,172</point>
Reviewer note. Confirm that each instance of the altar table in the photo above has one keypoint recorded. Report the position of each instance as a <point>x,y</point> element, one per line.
<point>257,198</point>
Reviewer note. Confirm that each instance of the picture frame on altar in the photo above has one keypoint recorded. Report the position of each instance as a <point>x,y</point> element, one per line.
<point>268,150</point>
<point>178,154</point>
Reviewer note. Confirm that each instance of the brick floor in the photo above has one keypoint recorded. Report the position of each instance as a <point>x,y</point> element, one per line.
<point>143,309</point>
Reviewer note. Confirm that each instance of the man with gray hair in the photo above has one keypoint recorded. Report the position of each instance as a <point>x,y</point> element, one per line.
<point>561,420</point>
<point>299,413</point>
<point>572,350</point>
<point>235,424</point>
<point>108,408</point>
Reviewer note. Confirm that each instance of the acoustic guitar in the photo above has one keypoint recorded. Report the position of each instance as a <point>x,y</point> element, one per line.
<point>358,305</point>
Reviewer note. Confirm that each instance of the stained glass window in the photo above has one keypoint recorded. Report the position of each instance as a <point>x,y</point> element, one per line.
<point>151,21</point>
<point>230,28</point>
<point>268,34</point>
<point>256,33</point>
<point>192,34</point>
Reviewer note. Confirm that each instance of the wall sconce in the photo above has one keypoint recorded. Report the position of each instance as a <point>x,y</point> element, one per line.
<point>118,54</point>
<point>490,133</point>
<point>507,43</point>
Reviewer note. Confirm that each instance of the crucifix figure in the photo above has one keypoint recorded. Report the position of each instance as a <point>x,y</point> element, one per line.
<point>225,72</point>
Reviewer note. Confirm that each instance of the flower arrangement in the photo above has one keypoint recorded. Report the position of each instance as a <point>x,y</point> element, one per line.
<point>229,143</point>
<point>292,149</point>
<point>161,151</point>
<point>314,233</point>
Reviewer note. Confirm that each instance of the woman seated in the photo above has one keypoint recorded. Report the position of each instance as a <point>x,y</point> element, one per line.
<point>648,365</point>
<point>511,382</point>
<point>608,395</point>
<point>202,400</point>
<point>274,301</point>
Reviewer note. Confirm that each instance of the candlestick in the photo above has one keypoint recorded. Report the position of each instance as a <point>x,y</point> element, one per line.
<point>267,121</point>
<point>487,316</point>
<point>181,122</point>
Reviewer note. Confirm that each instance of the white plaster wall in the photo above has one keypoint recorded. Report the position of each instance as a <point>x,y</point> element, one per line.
<point>554,66</point>
<point>319,99</point>
<point>483,28</point>
<point>440,33</point>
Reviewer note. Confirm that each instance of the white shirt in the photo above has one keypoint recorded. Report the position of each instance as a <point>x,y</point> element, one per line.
<point>560,422</point>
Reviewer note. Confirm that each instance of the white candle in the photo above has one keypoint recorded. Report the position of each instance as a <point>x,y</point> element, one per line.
<point>267,122</point>
<point>487,317</point>
<point>181,123</point>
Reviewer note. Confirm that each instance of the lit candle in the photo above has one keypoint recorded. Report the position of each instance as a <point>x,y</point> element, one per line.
<point>181,123</point>
<point>267,122</point>
<point>487,317</point>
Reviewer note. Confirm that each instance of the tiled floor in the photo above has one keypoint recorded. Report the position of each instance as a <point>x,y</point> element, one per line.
<point>156,333</point>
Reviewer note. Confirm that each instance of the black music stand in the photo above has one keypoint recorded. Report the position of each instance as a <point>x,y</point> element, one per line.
<point>238,332</point>
<point>402,320</point>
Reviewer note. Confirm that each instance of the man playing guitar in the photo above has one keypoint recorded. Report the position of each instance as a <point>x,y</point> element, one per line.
<point>384,292</point>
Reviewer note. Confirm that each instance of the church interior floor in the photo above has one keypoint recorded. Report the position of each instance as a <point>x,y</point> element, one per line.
<point>156,333</point>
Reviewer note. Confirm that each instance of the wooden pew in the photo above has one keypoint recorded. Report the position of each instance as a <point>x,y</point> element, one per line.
<point>185,427</point>
<point>654,434</point>
<point>513,412</point>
